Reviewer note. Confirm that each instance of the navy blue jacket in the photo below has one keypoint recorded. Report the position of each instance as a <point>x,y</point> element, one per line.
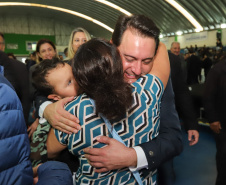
<point>168,143</point>
<point>15,166</point>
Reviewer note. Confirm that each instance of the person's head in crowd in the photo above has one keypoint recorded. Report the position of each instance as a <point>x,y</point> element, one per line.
<point>137,38</point>
<point>2,42</point>
<point>54,79</point>
<point>11,55</point>
<point>61,57</point>
<point>78,37</point>
<point>45,49</point>
<point>33,56</point>
<point>186,55</point>
<point>66,52</point>
<point>98,70</point>
<point>175,48</point>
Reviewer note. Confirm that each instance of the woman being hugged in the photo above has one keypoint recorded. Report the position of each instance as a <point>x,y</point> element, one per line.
<point>133,111</point>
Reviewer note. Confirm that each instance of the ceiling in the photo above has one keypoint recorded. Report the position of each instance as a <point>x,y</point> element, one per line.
<point>168,19</point>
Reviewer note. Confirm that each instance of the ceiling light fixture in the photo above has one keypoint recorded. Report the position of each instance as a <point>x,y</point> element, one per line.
<point>186,14</point>
<point>59,9</point>
<point>179,33</point>
<point>223,25</point>
<point>114,6</point>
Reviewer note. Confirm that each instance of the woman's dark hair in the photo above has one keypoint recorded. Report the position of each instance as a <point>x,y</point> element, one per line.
<point>97,68</point>
<point>43,41</point>
<point>139,24</point>
<point>39,75</point>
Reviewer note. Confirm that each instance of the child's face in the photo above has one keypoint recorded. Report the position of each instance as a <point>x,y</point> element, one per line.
<point>62,80</point>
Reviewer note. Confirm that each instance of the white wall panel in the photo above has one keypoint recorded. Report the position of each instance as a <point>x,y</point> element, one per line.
<point>36,26</point>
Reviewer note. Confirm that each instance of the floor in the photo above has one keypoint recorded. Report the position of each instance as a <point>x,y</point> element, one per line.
<point>196,164</point>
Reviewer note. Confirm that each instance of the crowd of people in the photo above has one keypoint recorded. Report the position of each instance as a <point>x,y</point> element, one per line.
<point>102,98</point>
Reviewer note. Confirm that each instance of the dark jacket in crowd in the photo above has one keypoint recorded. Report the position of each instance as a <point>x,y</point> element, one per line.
<point>16,73</point>
<point>193,70</point>
<point>183,99</point>
<point>15,165</point>
<point>215,93</point>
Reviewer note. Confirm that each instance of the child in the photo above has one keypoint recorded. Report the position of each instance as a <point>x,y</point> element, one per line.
<point>54,79</point>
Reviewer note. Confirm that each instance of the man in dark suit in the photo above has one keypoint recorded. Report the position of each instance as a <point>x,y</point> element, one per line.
<point>16,73</point>
<point>185,109</point>
<point>137,60</point>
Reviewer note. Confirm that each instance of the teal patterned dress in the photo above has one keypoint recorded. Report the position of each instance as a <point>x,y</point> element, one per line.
<point>140,124</point>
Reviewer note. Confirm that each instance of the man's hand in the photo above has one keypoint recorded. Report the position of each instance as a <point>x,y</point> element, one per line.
<point>216,127</point>
<point>114,156</point>
<point>193,137</point>
<point>60,119</point>
<point>32,128</point>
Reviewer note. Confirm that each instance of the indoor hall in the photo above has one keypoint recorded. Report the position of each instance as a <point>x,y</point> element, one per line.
<point>194,34</point>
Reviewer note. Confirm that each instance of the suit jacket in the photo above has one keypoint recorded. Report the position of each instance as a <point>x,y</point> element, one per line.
<point>183,99</point>
<point>214,94</point>
<point>168,143</point>
<point>16,73</point>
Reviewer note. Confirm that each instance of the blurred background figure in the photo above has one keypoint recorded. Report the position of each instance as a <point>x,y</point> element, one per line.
<point>78,37</point>
<point>16,73</point>
<point>215,107</point>
<point>32,60</point>
<point>66,52</point>
<point>175,49</point>
<point>11,55</point>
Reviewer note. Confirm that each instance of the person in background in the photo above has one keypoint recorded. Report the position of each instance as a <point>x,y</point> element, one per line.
<point>11,55</point>
<point>78,37</point>
<point>32,60</point>
<point>175,49</point>
<point>136,62</point>
<point>45,49</point>
<point>186,111</point>
<point>2,42</point>
<point>215,107</point>
<point>66,52</point>
<point>61,57</point>
<point>194,65</point>
<point>16,73</point>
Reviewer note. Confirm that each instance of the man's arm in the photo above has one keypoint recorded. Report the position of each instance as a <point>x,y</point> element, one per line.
<point>57,116</point>
<point>164,147</point>
<point>168,143</point>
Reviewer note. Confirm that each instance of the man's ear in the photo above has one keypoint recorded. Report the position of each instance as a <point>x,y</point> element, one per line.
<point>54,97</point>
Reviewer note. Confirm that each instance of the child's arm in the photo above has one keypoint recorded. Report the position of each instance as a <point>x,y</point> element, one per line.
<point>53,145</point>
<point>32,128</point>
<point>161,65</point>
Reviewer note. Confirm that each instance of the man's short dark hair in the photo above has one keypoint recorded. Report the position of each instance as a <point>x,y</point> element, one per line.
<point>141,24</point>
<point>40,73</point>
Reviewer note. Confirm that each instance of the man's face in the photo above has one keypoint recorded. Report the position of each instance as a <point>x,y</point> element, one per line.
<point>175,49</point>
<point>137,53</point>
<point>2,44</point>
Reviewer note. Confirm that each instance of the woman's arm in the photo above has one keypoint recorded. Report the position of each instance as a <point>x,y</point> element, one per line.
<point>161,65</point>
<point>53,145</point>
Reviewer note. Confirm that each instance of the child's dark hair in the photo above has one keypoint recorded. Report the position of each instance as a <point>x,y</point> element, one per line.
<point>97,68</point>
<point>41,71</point>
